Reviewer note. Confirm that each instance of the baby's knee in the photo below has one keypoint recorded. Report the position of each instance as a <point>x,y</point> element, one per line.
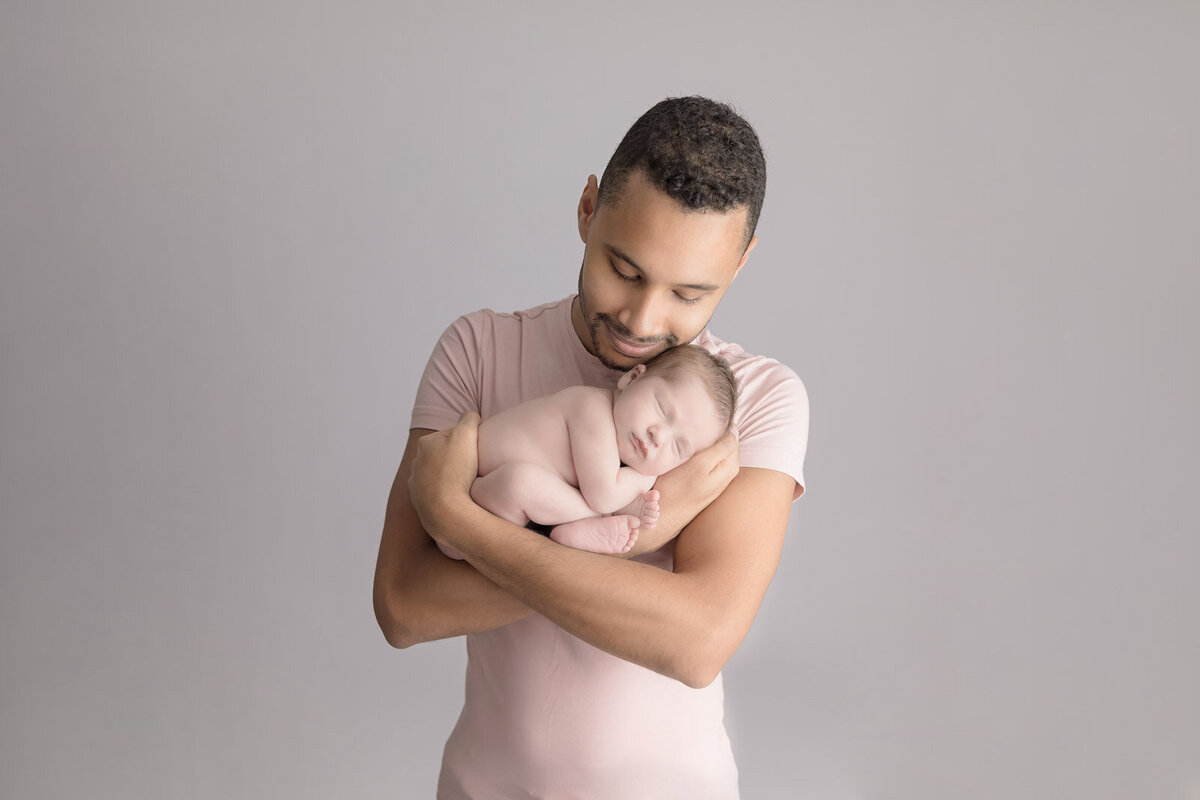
<point>507,491</point>
<point>502,486</point>
<point>518,478</point>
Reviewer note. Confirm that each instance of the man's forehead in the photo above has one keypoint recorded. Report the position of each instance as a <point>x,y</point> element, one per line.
<point>637,196</point>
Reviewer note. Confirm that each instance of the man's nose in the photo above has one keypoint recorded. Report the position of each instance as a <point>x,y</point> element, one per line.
<point>642,318</point>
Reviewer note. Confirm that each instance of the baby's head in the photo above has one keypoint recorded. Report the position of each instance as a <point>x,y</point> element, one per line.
<point>677,403</point>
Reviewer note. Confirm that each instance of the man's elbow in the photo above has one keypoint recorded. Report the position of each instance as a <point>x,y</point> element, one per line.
<point>398,636</point>
<point>698,677</point>
<point>396,627</point>
<point>700,664</point>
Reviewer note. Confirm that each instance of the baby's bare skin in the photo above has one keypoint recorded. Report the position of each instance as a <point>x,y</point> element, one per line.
<point>584,460</point>
<point>555,461</point>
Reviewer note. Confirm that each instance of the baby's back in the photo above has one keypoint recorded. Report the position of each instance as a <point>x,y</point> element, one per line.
<point>536,431</point>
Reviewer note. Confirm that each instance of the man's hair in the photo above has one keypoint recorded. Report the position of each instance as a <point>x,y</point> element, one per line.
<point>712,371</point>
<point>700,152</point>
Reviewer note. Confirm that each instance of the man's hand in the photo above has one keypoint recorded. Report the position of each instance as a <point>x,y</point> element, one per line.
<point>684,624</point>
<point>444,469</point>
<point>420,594</point>
<point>688,489</point>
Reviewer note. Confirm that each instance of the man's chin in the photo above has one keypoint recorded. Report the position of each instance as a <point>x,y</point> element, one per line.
<point>614,358</point>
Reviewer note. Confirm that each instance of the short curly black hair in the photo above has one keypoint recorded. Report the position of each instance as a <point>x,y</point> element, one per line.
<point>700,152</point>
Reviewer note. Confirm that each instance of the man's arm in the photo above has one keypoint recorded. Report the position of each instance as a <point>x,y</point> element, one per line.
<point>420,595</point>
<point>684,624</point>
<point>687,490</point>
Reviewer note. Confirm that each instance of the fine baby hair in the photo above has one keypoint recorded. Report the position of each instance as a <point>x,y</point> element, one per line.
<point>712,370</point>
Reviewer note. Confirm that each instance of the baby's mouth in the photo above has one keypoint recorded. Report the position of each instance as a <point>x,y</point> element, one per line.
<point>641,446</point>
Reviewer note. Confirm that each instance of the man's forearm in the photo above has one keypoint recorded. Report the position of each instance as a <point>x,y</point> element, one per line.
<point>433,597</point>
<point>684,624</point>
<point>640,613</point>
<point>420,595</point>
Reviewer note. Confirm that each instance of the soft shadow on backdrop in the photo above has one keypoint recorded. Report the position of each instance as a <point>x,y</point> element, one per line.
<point>230,234</point>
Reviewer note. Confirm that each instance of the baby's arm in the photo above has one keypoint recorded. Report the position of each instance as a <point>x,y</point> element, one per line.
<point>606,486</point>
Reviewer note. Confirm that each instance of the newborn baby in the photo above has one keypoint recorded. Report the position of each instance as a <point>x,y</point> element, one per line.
<point>584,459</point>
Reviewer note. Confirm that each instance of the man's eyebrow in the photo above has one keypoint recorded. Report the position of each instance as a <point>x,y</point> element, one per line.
<point>699,287</point>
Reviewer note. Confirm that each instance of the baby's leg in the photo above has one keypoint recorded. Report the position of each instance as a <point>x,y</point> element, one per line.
<point>615,534</point>
<point>512,492</point>
<point>522,492</point>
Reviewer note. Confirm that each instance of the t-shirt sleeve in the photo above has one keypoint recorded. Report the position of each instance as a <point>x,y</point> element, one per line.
<point>772,422</point>
<point>450,384</point>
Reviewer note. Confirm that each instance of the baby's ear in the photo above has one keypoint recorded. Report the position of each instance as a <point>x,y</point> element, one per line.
<point>631,376</point>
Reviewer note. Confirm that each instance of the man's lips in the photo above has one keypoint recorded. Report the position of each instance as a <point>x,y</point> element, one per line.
<point>626,347</point>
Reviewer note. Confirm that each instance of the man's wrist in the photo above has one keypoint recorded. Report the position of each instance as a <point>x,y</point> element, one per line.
<point>452,518</point>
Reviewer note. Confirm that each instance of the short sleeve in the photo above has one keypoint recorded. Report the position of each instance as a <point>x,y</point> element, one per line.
<point>772,419</point>
<point>450,384</point>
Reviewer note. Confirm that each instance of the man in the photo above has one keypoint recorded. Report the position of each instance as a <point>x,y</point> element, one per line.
<point>593,676</point>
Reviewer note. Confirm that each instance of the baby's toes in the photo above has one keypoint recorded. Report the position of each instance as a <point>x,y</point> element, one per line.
<point>633,535</point>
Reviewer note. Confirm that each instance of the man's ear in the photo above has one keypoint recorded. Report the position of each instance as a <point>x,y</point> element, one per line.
<point>745,256</point>
<point>629,377</point>
<point>587,206</point>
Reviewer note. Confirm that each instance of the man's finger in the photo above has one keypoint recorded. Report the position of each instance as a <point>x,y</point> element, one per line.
<point>727,467</point>
<point>724,448</point>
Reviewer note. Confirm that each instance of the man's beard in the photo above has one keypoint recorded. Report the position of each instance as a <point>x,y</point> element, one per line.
<point>593,326</point>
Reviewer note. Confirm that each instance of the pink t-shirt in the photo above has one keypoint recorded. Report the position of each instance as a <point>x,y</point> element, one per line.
<point>547,715</point>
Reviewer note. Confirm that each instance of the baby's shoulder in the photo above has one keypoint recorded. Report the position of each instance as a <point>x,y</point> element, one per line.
<point>583,400</point>
<point>591,395</point>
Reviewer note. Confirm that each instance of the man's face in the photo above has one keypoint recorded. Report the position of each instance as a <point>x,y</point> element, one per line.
<point>652,272</point>
<point>661,422</point>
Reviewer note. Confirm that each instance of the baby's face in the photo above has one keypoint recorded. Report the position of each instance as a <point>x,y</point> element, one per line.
<point>661,423</point>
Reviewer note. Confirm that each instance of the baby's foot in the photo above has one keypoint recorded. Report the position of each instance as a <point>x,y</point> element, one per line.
<point>615,534</point>
<point>450,552</point>
<point>645,508</point>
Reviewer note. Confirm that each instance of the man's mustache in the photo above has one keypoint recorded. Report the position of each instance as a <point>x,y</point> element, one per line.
<point>624,333</point>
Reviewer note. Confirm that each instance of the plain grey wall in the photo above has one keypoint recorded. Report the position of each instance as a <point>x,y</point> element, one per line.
<point>230,233</point>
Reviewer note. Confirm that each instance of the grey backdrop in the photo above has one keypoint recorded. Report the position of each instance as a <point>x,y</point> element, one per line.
<point>231,232</point>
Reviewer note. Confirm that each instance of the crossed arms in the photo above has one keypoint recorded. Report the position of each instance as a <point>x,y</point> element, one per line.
<point>683,624</point>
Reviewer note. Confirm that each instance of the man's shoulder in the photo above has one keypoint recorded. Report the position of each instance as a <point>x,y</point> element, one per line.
<point>490,318</point>
<point>771,417</point>
<point>487,329</point>
<point>749,369</point>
